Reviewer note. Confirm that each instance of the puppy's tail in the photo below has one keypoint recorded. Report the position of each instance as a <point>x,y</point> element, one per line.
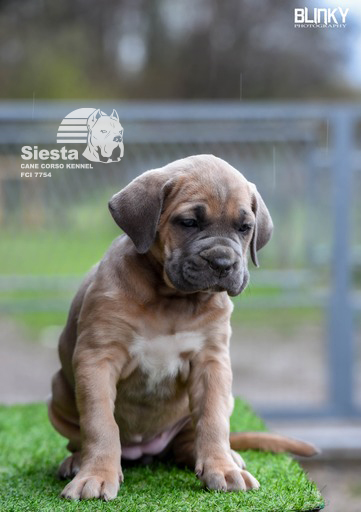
<point>271,442</point>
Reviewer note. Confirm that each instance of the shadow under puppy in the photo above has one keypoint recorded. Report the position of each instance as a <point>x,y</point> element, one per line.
<point>145,364</point>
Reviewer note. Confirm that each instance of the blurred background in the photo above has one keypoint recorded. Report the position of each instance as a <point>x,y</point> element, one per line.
<point>236,79</point>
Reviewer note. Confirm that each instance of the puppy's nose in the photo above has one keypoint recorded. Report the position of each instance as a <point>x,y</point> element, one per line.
<point>117,138</point>
<point>224,264</point>
<point>219,259</point>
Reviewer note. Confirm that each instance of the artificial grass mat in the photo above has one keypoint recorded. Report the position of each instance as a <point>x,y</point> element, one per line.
<point>30,452</point>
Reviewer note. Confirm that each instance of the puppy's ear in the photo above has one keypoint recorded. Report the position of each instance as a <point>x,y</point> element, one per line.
<point>264,225</point>
<point>93,118</point>
<point>137,208</point>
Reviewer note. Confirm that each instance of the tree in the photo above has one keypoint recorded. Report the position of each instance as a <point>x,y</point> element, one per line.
<point>165,49</point>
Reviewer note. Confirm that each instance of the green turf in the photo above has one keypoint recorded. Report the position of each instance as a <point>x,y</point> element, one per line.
<point>30,452</point>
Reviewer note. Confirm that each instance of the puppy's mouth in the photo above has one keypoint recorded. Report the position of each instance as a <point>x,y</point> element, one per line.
<point>190,279</point>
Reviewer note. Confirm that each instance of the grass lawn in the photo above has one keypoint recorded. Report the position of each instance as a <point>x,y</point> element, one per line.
<point>30,451</point>
<point>52,253</point>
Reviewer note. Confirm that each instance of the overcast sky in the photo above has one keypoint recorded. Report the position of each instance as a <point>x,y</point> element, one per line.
<point>354,17</point>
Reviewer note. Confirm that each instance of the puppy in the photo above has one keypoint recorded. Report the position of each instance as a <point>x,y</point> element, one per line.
<point>145,365</point>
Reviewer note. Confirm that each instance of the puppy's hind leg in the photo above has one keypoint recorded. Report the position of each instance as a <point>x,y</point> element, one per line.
<point>70,466</point>
<point>64,417</point>
<point>183,452</point>
<point>182,447</point>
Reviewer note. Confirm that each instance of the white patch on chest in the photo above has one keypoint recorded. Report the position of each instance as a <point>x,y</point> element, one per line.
<point>160,357</point>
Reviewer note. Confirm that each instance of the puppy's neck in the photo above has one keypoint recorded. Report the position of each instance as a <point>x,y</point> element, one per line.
<point>164,287</point>
<point>143,277</point>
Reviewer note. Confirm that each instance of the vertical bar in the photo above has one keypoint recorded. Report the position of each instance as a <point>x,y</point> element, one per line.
<point>341,349</point>
<point>311,191</point>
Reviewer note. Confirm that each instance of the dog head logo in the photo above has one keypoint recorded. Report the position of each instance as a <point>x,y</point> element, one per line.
<point>102,134</point>
<point>105,138</point>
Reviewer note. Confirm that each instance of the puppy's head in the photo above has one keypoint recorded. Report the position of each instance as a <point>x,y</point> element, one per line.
<point>199,217</point>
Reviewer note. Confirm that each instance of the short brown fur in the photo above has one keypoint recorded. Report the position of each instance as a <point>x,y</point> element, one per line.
<point>101,398</point>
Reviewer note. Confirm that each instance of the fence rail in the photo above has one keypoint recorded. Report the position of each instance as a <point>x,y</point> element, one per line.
<point>304,158</point>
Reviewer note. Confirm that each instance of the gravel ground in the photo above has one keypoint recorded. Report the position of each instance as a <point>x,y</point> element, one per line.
<point>26,366</point>
<point>284,372</point>
<point>279,369</point>
<point>339,483</point>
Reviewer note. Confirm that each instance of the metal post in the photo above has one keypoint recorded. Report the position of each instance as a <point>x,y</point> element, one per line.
<point>341,349</point>
<point>311,178</point>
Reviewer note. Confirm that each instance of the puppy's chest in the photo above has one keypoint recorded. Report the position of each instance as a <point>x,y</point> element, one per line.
<point>165,357</point>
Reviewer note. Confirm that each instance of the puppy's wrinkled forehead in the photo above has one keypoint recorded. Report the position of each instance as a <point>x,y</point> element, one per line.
<point>213,190</point>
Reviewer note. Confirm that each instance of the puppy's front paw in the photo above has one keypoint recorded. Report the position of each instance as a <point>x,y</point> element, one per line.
<point>98,484</point>
<point>225,475</point>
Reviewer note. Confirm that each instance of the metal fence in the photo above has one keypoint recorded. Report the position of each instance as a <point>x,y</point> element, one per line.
<point>304,159</point>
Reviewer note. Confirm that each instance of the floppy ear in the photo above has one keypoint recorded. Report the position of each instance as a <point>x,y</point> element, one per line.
<point>263,227</point>
<point>137,208</point>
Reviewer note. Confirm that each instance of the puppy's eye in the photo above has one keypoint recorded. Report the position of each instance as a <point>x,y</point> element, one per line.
<point>103,131</point>
<point>189,223</point>
<point>245,228</point>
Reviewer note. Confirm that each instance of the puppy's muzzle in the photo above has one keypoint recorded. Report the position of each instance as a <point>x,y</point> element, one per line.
<point>220,259</point>
<point>211,263</point>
